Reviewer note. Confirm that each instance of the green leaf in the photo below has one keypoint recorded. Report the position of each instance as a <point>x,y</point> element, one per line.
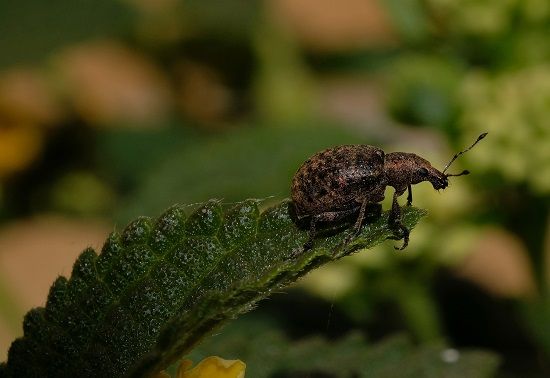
<point>161,286</point>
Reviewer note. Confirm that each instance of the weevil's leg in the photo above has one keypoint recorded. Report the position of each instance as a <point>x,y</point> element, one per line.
<point>329,216</point>
<point>360,217</point>
<point>395,212</point>
<point>358,223</point>
<point>395,222</point>
<point>312,231</point>
<point>409,196</point>
<point>372,212</point>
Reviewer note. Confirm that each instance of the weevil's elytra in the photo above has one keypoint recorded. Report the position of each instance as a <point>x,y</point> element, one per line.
<point>343,181</point>
<point>333,179</point>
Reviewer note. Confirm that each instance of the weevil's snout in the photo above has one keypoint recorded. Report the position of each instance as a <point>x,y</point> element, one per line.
<point>439,180</point>
<point>421,170</point>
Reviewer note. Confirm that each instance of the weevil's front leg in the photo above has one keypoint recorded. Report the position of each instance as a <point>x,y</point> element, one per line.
<point>409,196</point>
<point>395,222</point>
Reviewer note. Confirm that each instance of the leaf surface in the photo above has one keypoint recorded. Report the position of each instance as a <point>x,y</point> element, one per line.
<point>162,285</point>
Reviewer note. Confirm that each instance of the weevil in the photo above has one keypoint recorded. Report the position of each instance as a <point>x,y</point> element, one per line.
<point>340,182</point>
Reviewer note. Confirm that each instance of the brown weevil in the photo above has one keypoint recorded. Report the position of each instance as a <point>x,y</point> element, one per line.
<point>340,182</point>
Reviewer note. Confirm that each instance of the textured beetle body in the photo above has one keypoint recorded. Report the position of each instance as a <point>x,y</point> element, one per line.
<point>338,179</point>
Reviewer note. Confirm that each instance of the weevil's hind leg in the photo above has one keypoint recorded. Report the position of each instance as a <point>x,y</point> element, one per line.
<point>312,231</point>
<point>329,216</point>
<point>409,196</point>
<point>358,223</point>
<point>395,223</point>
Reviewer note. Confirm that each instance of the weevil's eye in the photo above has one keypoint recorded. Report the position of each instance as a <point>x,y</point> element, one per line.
<point>423,171</point>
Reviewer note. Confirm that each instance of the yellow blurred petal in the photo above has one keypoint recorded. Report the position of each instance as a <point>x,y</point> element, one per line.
<point>213,367</point>
<point>19,146</point>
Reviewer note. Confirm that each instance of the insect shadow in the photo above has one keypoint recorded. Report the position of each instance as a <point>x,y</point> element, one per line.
<point>373,212</point>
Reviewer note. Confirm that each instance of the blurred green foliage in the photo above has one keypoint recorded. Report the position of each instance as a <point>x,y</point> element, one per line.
<point>32,29</point>
<point>250,99</point>
<point>220,166</point>
<point>513,108</point>
<point>423,90</point>
<point>269,353</point>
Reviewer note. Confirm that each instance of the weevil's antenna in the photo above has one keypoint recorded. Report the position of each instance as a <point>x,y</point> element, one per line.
<point>464,172</point>
<point>460,153</point>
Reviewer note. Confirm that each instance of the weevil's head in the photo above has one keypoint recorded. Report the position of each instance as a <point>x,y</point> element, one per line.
<point>404,169</point>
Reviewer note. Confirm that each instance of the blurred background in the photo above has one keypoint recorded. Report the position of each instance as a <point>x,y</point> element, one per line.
<point>114,109</point>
